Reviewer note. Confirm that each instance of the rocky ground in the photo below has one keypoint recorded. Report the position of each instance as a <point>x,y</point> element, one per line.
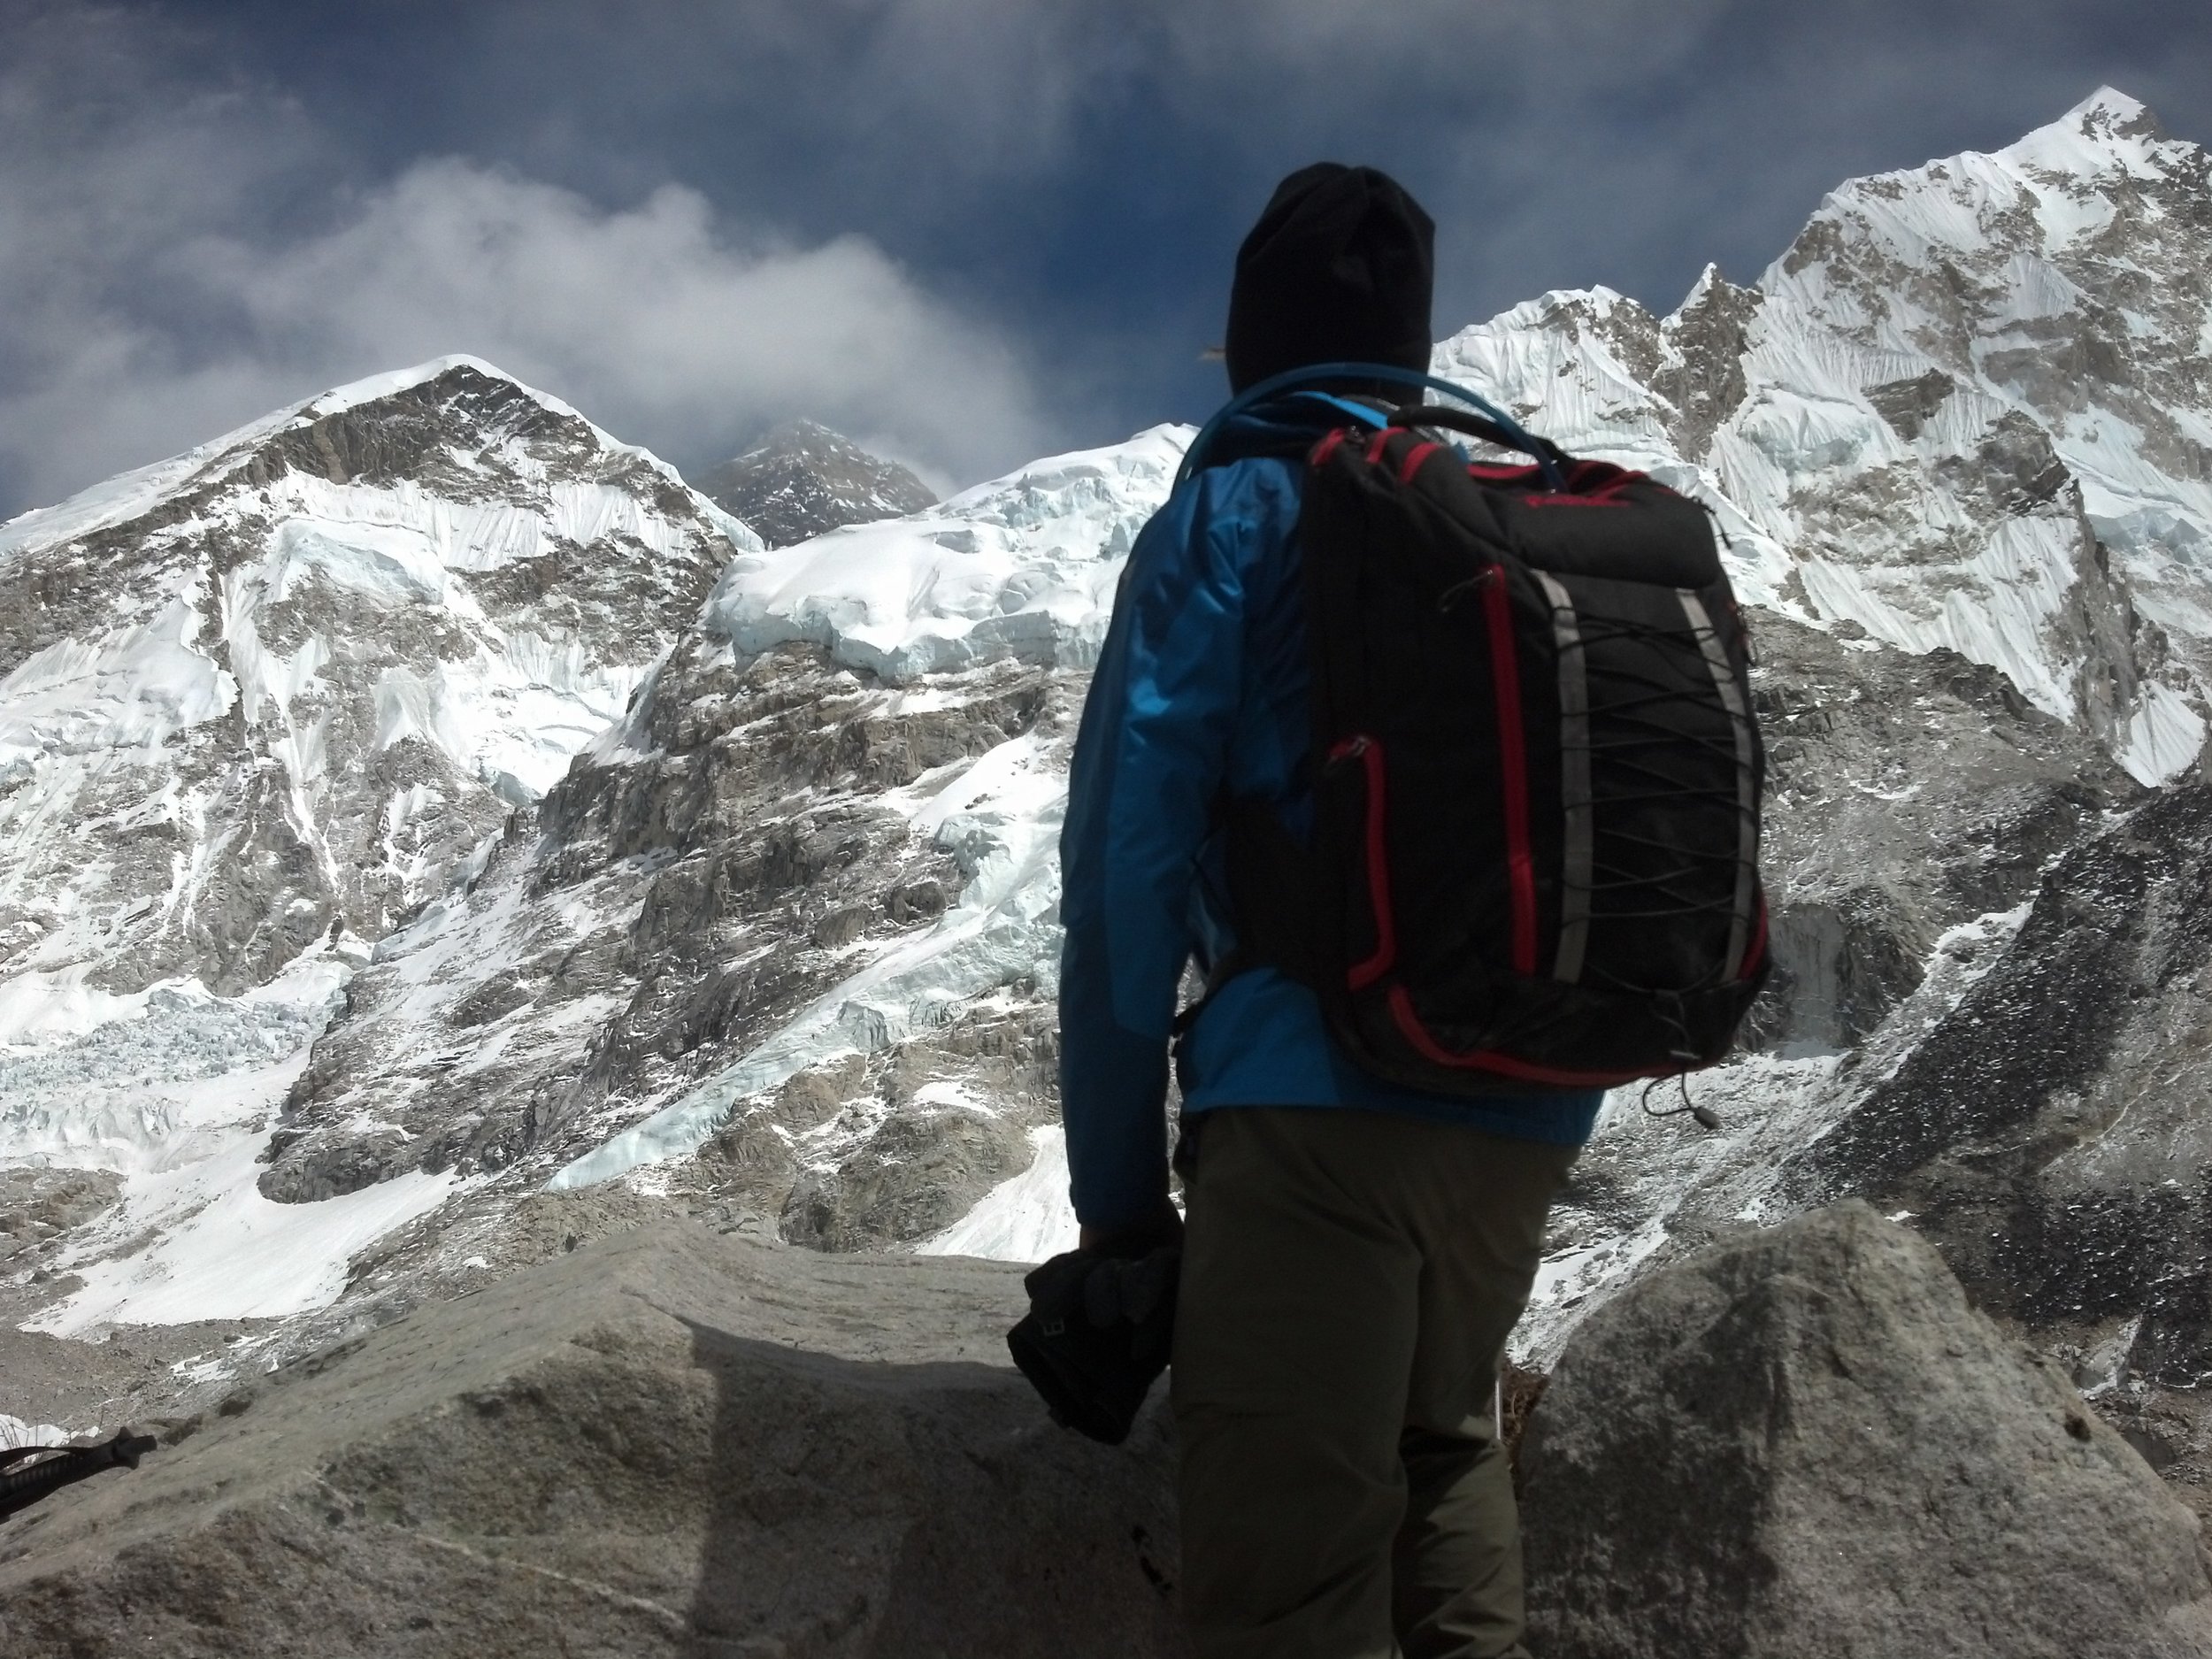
<point>662,1443</point>
<point>1798,1443</point>
<point>1802,1442</point>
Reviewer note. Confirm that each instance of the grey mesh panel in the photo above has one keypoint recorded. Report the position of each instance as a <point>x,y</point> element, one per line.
<point>1577,850</point>
<point>1746,796</point>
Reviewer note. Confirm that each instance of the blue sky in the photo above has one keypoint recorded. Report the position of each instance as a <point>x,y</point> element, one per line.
<point>966,230</point>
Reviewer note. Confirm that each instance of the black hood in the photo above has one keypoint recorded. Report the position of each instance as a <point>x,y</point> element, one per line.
<point>1340,268</point>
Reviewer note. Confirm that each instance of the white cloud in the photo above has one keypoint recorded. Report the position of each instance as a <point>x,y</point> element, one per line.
<point>182,249</point>
<point>656,320</point>
<point>192,261</point>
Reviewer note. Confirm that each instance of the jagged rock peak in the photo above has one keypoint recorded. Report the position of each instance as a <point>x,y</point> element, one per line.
<point>2110,111</point>
<point>803,479</point>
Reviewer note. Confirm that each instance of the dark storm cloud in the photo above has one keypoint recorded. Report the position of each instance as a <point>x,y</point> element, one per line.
<point>964,229</point>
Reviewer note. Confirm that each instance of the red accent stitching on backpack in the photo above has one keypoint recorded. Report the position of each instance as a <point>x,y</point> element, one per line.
<point>1490,1060</point>
<point>1327,446</point>
<point>1375,449</point>
<point>1505,677</point>
<point>1758,951</point>
<point>1370,756</point>
<point>1411,464</point>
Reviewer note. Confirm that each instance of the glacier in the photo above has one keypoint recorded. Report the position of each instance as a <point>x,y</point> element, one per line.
<point>1024,567</point>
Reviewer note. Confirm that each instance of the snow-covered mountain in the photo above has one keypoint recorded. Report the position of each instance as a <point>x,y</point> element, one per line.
<point>263,701</point>
<point>277,690</point>
<point>1970,406</point>
<point>803,479</point>
<point>769,933</point>
<point>813,875</point>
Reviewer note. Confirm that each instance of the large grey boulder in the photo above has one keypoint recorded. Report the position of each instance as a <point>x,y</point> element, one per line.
<point>1802,1443</point>
<point>669,1443</point>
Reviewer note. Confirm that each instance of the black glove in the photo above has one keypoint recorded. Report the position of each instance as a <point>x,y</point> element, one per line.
<point>1100,1324</point>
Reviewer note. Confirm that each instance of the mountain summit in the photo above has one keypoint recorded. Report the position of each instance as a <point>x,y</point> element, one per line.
<point>802,481</point>
<point>1968,407</point>
<point>277,690</point>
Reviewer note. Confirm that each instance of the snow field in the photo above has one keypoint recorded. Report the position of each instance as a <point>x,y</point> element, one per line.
<point>1025,1219</point>
<point>131,690</point>
<point>175,1090</point>
<point>14,1433</point>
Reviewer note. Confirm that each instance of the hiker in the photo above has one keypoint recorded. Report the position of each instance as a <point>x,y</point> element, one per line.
<point>1356,1250</point>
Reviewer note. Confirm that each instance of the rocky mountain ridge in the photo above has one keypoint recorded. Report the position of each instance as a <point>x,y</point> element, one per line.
<point>286,683</point>
<point>1966,408</point>
<point>778,948</point>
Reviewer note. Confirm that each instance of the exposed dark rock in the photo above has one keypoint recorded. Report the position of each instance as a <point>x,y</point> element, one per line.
<point>1803,1444</point>
<point>1705,381</point>
<point>804,479</point>
<point>39,1204</point>
<point>1907,405</point>
<point>914,1173</point>
<point>2050,1132</point>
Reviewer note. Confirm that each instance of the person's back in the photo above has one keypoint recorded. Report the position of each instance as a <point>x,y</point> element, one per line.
<point>1356,1252</point>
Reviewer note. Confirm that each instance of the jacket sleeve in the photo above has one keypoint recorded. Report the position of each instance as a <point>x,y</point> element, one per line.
<point>1148,767</point>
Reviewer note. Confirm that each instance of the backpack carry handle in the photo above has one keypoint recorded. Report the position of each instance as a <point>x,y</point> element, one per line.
<point>1479,427</point>
<point>1515,437</point>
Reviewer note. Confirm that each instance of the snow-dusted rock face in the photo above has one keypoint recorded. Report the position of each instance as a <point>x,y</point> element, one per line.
<point>276,691</point>
<point>2050,1129</point>
<point>802,481</point>
<point>257,703</point>
<point>797,912</point>
<point>1916,805</point>
<point>1969,407</point>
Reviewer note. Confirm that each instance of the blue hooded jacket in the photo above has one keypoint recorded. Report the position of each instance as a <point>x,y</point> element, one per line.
<point>1200,688</point>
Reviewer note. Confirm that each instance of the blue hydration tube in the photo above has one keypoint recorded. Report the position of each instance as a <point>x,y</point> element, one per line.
<point>1195,456</point>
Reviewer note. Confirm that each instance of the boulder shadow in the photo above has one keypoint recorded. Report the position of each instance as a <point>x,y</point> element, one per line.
<point>920,1510</point>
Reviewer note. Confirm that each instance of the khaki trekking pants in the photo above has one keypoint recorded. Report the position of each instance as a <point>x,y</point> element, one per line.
<point>1348,1281</point>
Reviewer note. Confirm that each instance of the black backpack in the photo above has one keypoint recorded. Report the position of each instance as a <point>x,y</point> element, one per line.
<point>1537,776</point>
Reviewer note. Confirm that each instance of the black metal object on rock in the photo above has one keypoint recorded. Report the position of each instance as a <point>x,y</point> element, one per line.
<point>29,1473</point>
